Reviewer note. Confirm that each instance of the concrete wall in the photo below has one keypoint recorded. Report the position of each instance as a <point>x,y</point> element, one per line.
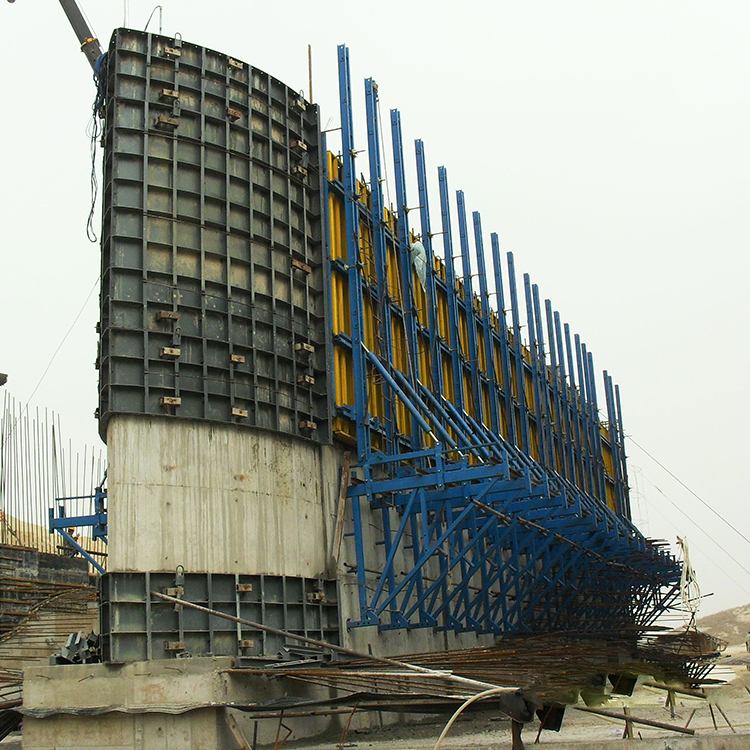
<point>215,498</point>
<point>201,729</point>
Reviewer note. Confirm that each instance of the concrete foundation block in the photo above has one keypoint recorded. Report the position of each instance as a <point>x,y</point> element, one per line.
<point>201,729</point>
<point>177,704</point>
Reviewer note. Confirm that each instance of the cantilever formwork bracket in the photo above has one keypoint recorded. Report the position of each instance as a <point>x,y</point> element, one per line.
<point>97,522</point>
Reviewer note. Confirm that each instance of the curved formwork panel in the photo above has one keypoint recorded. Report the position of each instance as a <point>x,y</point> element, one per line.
<point>212,301</point>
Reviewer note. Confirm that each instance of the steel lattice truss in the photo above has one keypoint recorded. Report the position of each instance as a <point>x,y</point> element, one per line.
<point>495,550</point>
<point>475,534</point>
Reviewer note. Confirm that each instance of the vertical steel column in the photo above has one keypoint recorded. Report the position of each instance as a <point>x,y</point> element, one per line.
<point>436,364</point>
<point>544,386</point>
<point>469,301</point>
<point>489,345</point>
<point>425,618</point>
<point>559,419</point>
<point>446,563</point>
<point>585,419</point>
<point>381,250</point>
<point>327,278</point>
<point>541,438</point>
<point>575,412</point>
<point>614,448</point>
<point>596,425</point>
<point>450,282</point>
<point>623,461</point>
<point>568,446</point>
<point>354,264</point>
<point>510,412</point>
<point>367,617</point>
<point>405,265</point>
<point>518,350</point>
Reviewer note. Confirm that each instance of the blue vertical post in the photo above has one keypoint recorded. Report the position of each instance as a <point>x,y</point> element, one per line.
<point>354,273</point>
<point>535,374</point>
<point>613,446</point>
<point>510,411</point>
<point>518,351</point>
<point>454,339</point>
<point>331,381</point>
<point>489,346</point>
<point>623,461</point>
<point>424,617</point>
<point>388,573</point>
<point>469,302</point>
<point>405,264</point>
<point>558,418</point>
<point>575,412</point>
<point>380,248</point>
<point>565,403</point>
<point>593,422</point>
<point>359,548</point>
<point>585,418</point>
<point>596,425</point>
<point>544,385</point>
<point>424,215</point>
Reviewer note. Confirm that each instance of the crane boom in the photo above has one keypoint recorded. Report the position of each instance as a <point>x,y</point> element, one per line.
<point>89,43</point>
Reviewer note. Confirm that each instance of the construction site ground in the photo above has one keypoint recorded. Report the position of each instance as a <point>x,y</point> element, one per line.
<point>730,703</point>
<point>721,722</point>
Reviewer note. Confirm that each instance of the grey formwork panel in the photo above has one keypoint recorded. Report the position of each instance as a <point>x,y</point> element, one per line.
<point>213,300</point>
<point>136,626</point>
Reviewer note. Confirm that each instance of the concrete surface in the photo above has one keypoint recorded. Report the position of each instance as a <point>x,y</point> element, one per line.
<point>172,686</point>
<point>223,499</point>
<point>215,498</point>
<point>202,729</point>
<point>179,704</point>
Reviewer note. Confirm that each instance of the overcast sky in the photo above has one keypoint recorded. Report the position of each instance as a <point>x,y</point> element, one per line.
<point>606,142</point>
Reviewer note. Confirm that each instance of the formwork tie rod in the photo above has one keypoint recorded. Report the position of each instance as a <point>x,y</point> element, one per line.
<point>467,683</point>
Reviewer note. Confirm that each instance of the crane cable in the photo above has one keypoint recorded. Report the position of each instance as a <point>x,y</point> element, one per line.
<point>95,130</point>
<point>692,492</point>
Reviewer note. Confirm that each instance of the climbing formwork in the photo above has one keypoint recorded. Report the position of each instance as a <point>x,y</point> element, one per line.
<point>501,493</point>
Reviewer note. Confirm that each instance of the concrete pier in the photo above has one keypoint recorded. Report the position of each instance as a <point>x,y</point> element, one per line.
<point>217,498</point>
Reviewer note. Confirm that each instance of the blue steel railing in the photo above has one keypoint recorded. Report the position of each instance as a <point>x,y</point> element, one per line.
<point>64,525</point>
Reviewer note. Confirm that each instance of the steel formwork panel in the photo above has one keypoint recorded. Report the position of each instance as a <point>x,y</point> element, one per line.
<point>136,626</point>
<point>213,302</point>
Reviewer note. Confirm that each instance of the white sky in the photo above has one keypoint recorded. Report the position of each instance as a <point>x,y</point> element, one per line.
<point>606,142</point>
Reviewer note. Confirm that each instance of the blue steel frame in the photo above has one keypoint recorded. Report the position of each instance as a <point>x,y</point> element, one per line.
<point>493,513</point>
<point>97,522</point>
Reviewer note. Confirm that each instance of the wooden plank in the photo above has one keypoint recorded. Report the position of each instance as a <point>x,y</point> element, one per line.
<point>338,533</point>
<point>236,731</point>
